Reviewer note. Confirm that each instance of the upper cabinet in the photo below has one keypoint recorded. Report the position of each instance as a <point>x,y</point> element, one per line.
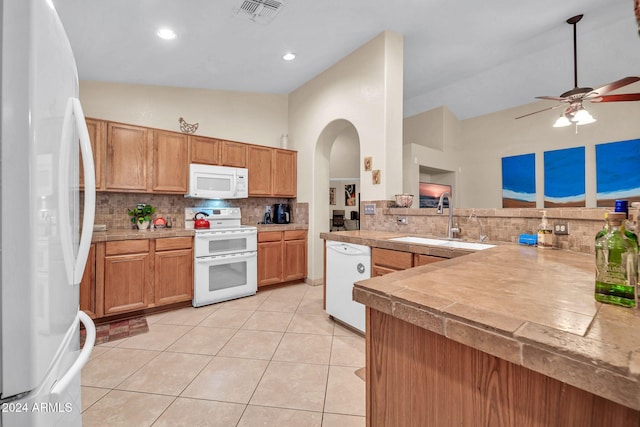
<point>170,162</point>
<point>272,172</point>
<point>138,159</point>
<point>211,151</point>
<point>98,136</point>
<point>127,160</point>
<point>204,150</point>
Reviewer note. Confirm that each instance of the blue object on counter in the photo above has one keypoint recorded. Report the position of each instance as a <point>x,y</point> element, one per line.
<point>528,239</point>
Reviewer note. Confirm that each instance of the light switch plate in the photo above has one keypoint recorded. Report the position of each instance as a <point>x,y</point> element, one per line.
<point>369,209</point>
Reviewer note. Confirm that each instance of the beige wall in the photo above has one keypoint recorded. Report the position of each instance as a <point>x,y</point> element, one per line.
<point>363,90</point>
<point>475,153</point>
<point>238,116</point>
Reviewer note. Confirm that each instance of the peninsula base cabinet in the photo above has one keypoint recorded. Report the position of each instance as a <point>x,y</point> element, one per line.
<point>416,377</point>
<point>282,256</point>
<point>128,276</point>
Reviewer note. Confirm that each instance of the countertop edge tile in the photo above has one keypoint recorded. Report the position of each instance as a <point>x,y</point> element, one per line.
<point>484,340</point>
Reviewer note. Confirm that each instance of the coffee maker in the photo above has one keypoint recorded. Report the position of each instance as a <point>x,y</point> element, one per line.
<point>280,214</point>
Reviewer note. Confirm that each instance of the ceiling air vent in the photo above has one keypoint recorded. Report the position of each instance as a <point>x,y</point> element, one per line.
<point>260,11</point>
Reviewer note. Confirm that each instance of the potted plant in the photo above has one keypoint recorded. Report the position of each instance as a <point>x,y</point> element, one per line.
<point>141,215</point>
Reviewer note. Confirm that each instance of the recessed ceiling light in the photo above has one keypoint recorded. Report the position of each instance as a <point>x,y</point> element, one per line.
<point>166,34</point>
<point>289,56</point>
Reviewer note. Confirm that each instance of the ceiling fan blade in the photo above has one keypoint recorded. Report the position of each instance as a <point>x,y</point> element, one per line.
<point>540,111</point>
<point>613,86</point>
<point>617,98</point>
<point>552,98</point>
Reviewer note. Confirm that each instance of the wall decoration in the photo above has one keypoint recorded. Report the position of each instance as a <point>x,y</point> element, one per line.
<point>350,195</point>
<point>332,195</point>
<point>375,176</point>
<point>367,163</point>
<point>564,178</point>
<point>519,181</point>
<point>617,174</point>
<point>430,194</point>
<point>186,127</point>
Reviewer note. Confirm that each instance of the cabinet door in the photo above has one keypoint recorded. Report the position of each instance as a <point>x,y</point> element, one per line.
<point>170,162</point>
<point>126,283</point>
<point>97,135</point>
<point>88,285</point>
<point>127,158</point>
<point>260,165</point>
<point>233,154</point>
<point>295,259</point>
<point>205,150</point>
<point>285,173</point>
<point>173,276</point>
<point>269,263</point>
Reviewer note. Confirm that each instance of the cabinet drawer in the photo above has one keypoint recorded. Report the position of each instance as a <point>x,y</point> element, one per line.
<point>393,259</point>
<point>420,259</point>
<point>171,243</point>
<point>269,236</point>
<point>295,235</point>
<point>126,247</point>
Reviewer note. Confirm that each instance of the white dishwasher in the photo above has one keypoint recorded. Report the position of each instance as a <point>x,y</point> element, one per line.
<point>347,263</point>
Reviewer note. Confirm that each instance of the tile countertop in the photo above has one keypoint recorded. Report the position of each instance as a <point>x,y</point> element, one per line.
<point>529,306</point>
<point>281,227</point>
<point>132,233</point>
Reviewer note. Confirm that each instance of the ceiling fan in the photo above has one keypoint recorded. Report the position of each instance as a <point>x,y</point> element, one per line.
<point>574,112</point>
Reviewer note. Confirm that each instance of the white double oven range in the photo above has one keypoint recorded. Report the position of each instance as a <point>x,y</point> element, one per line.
<point>225,256</point>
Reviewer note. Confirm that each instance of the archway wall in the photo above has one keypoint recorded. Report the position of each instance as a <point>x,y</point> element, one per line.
<point>364,90</point>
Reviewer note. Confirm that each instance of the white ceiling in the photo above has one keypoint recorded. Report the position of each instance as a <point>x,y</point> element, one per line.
<point>476,57</point>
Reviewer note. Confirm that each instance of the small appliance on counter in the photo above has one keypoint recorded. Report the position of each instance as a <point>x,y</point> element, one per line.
<point>281,214</point>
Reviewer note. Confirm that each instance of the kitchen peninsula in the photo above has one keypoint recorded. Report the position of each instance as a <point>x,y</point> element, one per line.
<point>508,336</point>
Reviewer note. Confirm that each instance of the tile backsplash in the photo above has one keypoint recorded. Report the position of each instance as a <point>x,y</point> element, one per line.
<point>111,208</point>
<point>501,225</point>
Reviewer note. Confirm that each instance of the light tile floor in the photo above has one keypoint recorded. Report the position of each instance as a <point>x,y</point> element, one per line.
<point>273,359</point>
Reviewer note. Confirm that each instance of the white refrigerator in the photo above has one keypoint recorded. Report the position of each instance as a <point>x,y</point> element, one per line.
<point>44,251</point>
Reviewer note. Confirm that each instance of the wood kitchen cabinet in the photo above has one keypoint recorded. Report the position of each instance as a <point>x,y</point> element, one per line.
<point>127,158</point>
<point>88,285</point>
<point>204,150</point>
<point>98,136</point>
<point>295,255</point>
<point>284,174</point>
<point>127,276</point>
<point>173,270</point>
<point>233,154</point>
<point>260,166</point>
<point>384,261</point>
<point>272,172</point>
<point>282,256</point>
<point>170,170</point>
<point>212,151</point>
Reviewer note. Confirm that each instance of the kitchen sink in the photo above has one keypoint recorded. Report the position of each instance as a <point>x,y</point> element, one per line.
<point>455,244</point>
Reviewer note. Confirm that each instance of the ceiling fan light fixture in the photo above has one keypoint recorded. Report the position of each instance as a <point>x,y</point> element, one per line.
<point>582,117</point>
<point>562,121</point>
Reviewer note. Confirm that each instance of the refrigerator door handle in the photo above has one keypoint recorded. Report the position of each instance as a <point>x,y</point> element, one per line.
<point>74,113</point>
<point>62,384</point>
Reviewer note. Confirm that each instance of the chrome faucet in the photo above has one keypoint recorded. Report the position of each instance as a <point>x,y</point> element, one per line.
<point>450,228</point>
<point>482,237</point>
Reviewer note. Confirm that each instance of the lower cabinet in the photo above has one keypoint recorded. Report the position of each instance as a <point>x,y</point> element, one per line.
<point>127,276</point>
<point>173,270</point>
<point>282,256</point>
<point>384,261</point>
<point>131,275</point>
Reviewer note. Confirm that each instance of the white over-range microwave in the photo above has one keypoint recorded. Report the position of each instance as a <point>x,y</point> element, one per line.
<point>218,182</point>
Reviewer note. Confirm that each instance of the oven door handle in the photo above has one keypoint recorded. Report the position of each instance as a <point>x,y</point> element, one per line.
<point>236,256</point>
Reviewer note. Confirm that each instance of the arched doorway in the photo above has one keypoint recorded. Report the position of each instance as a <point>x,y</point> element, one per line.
<point>342,130</point>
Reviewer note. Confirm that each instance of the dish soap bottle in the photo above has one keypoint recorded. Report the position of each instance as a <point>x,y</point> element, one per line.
<point>545,233</point>
<point>616,265</point>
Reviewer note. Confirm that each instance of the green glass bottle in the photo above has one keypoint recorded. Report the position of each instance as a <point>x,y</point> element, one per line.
<point>616,265</point>
<point>605,229</point>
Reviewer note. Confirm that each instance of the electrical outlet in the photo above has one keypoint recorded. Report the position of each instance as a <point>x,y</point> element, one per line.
<point>561,228</point>
<point>369,209</point>
<point>403,220</point>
